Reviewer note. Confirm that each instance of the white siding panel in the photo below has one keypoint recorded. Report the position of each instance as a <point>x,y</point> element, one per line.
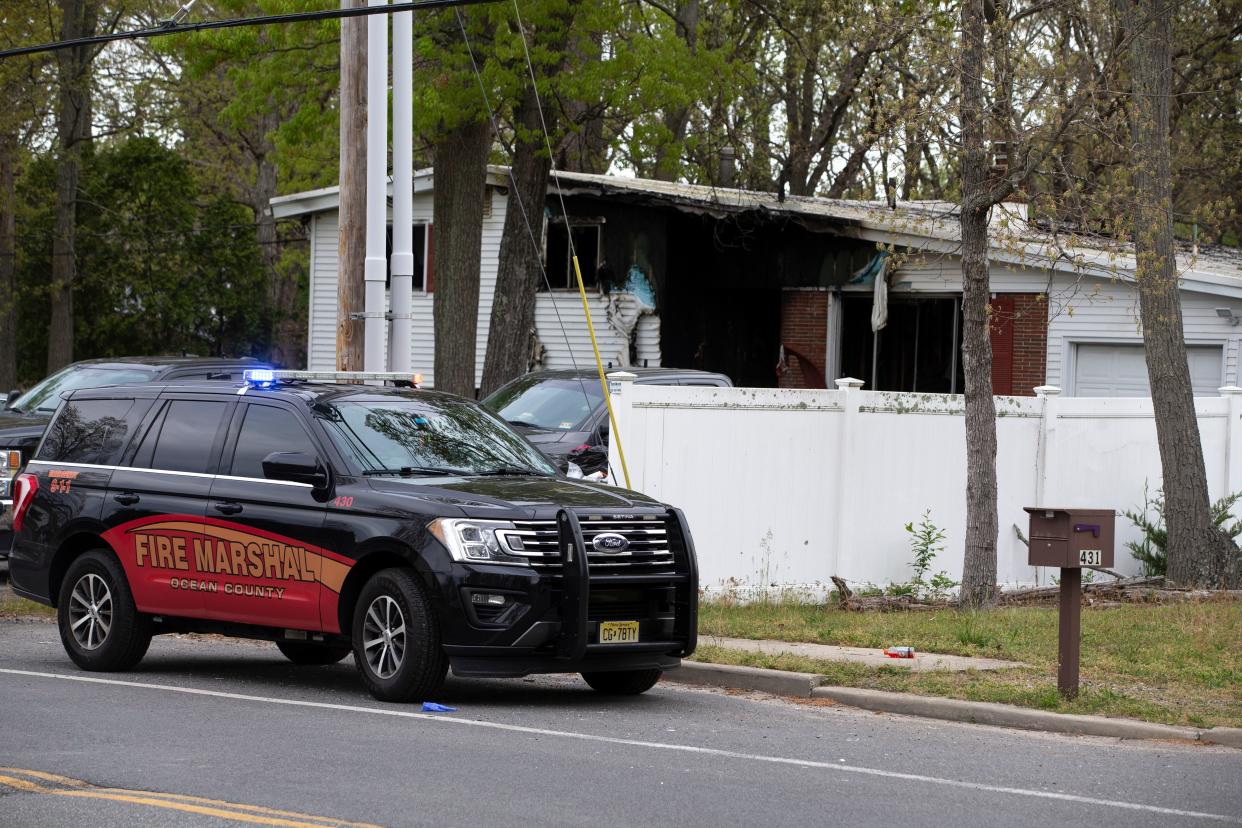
<point>1101,311</point>
<point>942,273</point>
<point>562,330</point>
<point>321,349</point>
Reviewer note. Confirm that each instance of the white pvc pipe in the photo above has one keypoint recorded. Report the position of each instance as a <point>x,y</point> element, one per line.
<point>402,189</point>
<point>375,271</point>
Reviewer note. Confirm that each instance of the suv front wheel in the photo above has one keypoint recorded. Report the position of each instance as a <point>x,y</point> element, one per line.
<point>396,641</point>
<point>99,624</point>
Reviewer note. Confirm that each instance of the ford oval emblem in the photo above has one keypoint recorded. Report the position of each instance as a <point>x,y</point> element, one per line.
<point>610,543</point>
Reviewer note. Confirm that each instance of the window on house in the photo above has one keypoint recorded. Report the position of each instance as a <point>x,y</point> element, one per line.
<point>420,255</point>
<point>558,257</point>
<point>918,350</point>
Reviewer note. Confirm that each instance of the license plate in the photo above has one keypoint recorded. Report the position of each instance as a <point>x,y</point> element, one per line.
<point>618,632</point>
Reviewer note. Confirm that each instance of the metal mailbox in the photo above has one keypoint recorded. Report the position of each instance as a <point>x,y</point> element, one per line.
<point>1071,538</point>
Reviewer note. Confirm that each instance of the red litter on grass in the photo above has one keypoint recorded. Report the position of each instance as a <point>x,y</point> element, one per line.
<point>899,652</point>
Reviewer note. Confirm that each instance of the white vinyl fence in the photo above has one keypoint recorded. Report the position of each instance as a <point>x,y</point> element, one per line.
<point>784,488</point>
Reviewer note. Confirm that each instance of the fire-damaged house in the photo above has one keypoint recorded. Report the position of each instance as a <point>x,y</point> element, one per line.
<point>798,291</point>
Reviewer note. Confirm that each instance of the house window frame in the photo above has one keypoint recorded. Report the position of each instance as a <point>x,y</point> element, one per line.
<point>572,223</point>
<point>956,379</point>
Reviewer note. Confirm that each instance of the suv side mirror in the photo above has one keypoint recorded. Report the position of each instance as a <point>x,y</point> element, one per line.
<point>602,431</point>
<point>12,398</point>
<point>296,467</point>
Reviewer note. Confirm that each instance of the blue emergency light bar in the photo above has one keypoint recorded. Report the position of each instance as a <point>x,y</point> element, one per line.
<point>267,377</point>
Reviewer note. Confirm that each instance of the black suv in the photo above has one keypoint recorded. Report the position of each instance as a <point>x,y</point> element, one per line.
<point>26,415</point>
<point>563,412</point>
<point>410,527</point>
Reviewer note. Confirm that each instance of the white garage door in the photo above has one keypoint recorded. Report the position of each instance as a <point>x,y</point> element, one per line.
<point>1120,370</point>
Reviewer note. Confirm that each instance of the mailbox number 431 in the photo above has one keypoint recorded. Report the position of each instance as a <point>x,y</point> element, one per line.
<point>1090,557</point>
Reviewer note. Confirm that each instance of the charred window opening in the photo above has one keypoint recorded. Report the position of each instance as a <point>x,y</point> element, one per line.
<point>918,350</point>
<point>558,255</point>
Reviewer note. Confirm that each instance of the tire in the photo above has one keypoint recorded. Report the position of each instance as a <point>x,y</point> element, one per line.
<point>100,627</point>
<point>404,666</point>
<point>312,655</point>
<point>623,682</point>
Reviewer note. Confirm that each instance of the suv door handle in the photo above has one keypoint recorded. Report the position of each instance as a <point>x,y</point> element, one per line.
<point>227,508</point>
<point>126,498</point>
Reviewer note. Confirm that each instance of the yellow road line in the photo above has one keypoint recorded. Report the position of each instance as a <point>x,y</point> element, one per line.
<point>78,783</point>
<point>178,802</point>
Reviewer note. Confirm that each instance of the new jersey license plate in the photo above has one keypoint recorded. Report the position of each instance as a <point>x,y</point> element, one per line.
<point>618,632</point>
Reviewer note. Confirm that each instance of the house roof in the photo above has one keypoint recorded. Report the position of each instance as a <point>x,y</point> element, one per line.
<point>924,226</point>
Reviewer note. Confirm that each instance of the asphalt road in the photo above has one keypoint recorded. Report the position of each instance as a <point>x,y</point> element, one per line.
<point>217,732</point>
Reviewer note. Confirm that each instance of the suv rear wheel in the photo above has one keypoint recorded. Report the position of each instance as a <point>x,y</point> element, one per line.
<point>623,682</point>
<point>99,624</point>
<point>396,640</point>
<point>300,652</point>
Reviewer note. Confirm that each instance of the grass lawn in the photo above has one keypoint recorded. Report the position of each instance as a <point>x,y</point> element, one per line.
<point>1172,663</point>
<point>12,607</point>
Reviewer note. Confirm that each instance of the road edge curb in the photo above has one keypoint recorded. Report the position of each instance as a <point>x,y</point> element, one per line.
<point>734,677</point>
<point>1002,715</point>
<point>807,685</point>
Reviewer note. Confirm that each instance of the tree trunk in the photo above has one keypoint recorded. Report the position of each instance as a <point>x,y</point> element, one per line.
<point>979,565</point>
<point>8,269</point>
<point>668,155</point>
<point>519,272</point>
<point>350,289</point>
<point>1200,554</point>
<point>73,131</point>
<point>461,184</point>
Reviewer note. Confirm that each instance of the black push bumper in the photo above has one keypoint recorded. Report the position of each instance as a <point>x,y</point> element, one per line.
<point>570,643</point>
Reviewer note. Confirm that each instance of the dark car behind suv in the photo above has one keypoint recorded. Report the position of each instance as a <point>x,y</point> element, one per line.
<point>563,411</point>
<point>411,528</point>
<point>26,415</point>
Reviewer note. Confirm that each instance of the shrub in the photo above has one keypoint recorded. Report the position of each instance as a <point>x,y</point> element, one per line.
<point>1152,551</point>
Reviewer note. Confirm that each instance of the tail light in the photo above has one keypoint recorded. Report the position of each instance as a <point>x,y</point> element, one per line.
<point>24,488</point>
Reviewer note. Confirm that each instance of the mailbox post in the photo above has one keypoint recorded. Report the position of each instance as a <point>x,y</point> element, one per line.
<point>1070,539</point>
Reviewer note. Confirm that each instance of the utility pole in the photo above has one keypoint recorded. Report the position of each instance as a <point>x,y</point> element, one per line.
<point>350,287</point>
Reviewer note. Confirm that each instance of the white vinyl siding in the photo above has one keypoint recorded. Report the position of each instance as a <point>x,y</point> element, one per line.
<point>559,320</point>
<point>1101,312</point>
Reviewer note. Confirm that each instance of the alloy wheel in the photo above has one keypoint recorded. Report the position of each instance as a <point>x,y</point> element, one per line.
<point>383,637</point>
<point>90,611</point>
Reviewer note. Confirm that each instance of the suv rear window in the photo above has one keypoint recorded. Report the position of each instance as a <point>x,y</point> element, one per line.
<point>183,437</point>
<point>88,431</point>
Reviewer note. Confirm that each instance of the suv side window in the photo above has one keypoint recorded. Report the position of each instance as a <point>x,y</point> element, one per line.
<point>184,436</point>
<point>88,431</point>
<point>267,429</point>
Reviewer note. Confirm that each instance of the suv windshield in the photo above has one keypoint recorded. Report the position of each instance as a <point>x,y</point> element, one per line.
<point>549,403</point>
<point>427,435</point>
<point>46,395</point>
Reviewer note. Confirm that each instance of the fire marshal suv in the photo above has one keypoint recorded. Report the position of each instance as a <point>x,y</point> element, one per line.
<point>410,528</point>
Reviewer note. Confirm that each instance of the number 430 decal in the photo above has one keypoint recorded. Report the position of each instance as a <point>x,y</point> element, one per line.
<point>343,502</point>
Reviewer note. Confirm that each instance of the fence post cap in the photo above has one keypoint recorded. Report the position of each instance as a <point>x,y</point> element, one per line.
<point>1047,391</point>
<point>849,384</point>
<point>622,376</point>
<point>1229,390</point>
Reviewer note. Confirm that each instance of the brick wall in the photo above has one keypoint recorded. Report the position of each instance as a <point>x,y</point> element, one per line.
<point>1019,334</point>
<point>804,326</point>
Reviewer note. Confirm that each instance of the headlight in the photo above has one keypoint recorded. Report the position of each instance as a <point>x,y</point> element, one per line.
<point>490,541</point>
<point>10,465</point>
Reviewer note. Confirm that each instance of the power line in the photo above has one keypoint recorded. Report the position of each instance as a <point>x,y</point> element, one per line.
<point>170,27</point>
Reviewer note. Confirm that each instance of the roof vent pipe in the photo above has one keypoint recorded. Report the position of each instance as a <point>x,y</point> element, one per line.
<point>728,166</point>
